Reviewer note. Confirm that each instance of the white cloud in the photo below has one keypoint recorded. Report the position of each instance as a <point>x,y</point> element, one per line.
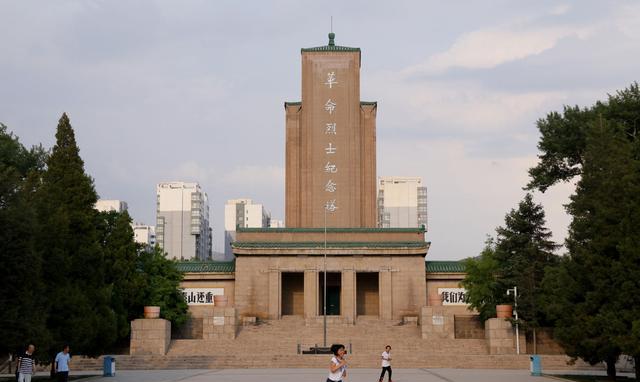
<point>627,20</point>
<point>468,197</point>
<point>256,176</point>
<point>460,106</point>
<point>560,9</point>
<point>490,47</point>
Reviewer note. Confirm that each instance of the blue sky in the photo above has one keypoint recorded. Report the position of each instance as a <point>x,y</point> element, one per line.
<point>194,90</point>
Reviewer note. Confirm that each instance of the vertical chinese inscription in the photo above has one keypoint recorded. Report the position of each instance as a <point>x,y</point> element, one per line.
<point>330,187</point>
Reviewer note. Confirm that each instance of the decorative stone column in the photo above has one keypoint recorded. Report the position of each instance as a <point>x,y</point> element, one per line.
<point>310,293</point>
<point>385,293</point>
<point>499,335</point>
<point>274,294</point>
<point>150,336</point>
<point>348,303</point>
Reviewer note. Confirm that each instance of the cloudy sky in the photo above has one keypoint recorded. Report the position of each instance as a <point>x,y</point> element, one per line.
<point>194,90</point>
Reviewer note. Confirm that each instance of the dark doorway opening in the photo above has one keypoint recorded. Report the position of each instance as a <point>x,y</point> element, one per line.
<point>292,293</point>
<point>367,294</point>
<point>334,288</point>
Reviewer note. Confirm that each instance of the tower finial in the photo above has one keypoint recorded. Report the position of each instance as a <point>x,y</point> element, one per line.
<point>332,35</point>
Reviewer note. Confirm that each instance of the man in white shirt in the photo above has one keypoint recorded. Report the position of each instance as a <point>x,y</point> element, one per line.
<point>386,362</point>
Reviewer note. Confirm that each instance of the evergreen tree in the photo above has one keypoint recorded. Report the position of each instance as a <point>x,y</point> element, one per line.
<point>596,312</point>
<point>484,291</point>
<point>120,261</point>
<point>563,136</point>
<point>79,298</point>
<point>161,285</point>
<point>524,250</point>
<point>521,253</point>
<point>22,316</point>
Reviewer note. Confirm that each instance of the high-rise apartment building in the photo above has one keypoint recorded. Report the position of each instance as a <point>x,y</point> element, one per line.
<point>106,205</point>
<point>182,224</point>
<point>144,234</point>
<point>276,223</point>
<point>243,213</point>
<point>402,202</point>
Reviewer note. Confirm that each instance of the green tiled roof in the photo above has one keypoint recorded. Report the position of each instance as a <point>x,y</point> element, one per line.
<point>206,266</point>
<point>299,103</point>
<point>445,266</point>
<point>347,244</point>
<point>332,47</point>
<point>331,230</point>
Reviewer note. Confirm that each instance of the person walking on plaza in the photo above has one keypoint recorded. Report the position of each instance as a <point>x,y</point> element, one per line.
<point>338,366</point>
<point>61,364</point>
<point>386,362</point>
<point>26,364</point>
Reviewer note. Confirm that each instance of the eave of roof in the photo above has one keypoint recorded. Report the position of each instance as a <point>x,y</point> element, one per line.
<point>206,266</point>
<point>445,266</point>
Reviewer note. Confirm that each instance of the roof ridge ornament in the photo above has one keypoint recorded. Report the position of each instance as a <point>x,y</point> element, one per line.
<point>332,37</point>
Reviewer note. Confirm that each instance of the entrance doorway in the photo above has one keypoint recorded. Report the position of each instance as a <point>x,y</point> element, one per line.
<point>292,293</point>
<point>334,288</point>
<point>367,294</point>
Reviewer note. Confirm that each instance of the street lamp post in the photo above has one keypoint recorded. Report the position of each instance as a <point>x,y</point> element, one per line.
<point>514,290</point>
<point>324,284</point>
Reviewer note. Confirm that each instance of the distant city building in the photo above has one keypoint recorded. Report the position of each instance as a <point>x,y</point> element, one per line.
<point>275,223</point>
<point>402,202</point>
<point>243,213</point>
<point>182,224</point>
<point>106,205</point>
<point>144,234</point>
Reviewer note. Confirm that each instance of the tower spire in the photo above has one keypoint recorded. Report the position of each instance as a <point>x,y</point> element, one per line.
<point>332,35</point>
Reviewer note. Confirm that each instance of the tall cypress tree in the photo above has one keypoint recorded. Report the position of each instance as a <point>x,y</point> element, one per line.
<point>22,316</point>
<point>518,257</point>
<point>123,276</point>
<point>79,298</point>
<point>524,249</point>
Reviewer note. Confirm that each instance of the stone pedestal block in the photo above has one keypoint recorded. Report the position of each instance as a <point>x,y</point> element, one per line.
<point>500,337</point>
<point>220,323</point>
<point>437,322</point>
<point>150,336</point>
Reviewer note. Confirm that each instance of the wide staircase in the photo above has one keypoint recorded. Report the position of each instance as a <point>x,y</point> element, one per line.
<point>279,343</point>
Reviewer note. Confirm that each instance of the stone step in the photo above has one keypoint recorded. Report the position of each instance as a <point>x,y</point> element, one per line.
<point>125,362</point>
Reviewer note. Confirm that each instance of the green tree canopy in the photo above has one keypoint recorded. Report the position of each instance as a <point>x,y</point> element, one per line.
<point>519,256</point>
<point>22,293</point>
<point>67,241</point>
<point>593,296</point>
<point>563,135</point>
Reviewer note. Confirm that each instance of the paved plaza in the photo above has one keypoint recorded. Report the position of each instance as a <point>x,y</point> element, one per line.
<point>304,375</point>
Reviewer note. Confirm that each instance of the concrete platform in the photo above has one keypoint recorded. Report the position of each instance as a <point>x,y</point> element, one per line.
<point>297,375</point>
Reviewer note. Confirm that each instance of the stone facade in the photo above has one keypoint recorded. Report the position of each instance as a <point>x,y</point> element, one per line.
<point>150,336</point>
<point>330,75</point>
<point>390,264</point>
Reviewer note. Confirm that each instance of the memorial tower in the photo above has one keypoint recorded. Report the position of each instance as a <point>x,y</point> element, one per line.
<point>330,144</point>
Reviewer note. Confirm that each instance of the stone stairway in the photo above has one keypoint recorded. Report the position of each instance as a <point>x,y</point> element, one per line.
<point>277,343</point>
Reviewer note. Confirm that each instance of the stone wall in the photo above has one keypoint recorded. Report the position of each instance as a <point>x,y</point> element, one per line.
<point>500,336</point>
<point>468,327</point>
<point>401,283</point>
<point>219,323</point>
<point>150,336</point>
<point>437,322</point>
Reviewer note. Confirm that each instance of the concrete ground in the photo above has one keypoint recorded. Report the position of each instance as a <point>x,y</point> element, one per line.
<point>304,375</point>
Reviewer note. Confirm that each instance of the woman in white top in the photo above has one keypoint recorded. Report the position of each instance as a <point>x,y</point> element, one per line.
<point>338,366</point>
<point>386,362</point>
